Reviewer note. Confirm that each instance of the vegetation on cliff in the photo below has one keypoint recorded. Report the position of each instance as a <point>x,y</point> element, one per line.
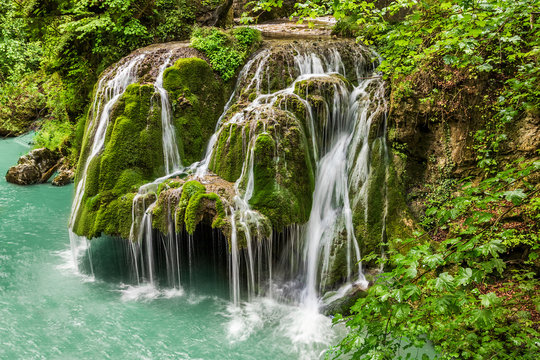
<point>226,50</point>
<point>467,282</point>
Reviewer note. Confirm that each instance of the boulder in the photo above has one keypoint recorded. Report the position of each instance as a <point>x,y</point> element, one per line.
<point>33,168</point>
<point>65,177</point>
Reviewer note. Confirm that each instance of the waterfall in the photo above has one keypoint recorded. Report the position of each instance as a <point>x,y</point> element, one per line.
<point>292,266</point>
<point>141,230</point>
<point>110,88</point>
<point>107,94</point>
<point>341,149</point>
<point>171,156</point>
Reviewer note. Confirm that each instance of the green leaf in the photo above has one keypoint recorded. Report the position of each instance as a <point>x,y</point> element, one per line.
<point>464,276</point>
<point>482,217</point>
<point>444,281</point>
<point>483,318</point>
<point>485,67</point>
<point>515,196</point>
<point>494,247</point>
<point>489,299</point>
<point>402,311</point>
<point>411,272</point>
<point>402,42</point>
<point>433,260</point>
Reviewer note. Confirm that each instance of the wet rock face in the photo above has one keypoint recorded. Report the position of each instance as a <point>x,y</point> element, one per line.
<point>283,11</point>
<point>215,13</point>
<point>34,168</point>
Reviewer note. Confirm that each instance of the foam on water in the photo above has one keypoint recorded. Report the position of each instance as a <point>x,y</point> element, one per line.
<point>308,332</point>
<point>148,292</point>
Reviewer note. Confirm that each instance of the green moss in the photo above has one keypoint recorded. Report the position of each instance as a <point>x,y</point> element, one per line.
<point>168,184</point>
<point>115,216</point>
<point>384,194</point>
<point>188,211</point>
<point>189,189</point>
<point>337,273</point>
<point>219,220</point>
<point>161,214</point>
<point>400,223</point>
<point>128,181</point>
<point>282,190</point>
<point>92,178</point>
<point>193,215</point>
<point>197,98</point>
<point>323,86</point>
<point>228,157</point>
<point>282,163</point>
<point>134,139</point>
<point>264,172</point>
<point>376,200</point>
<point>132,156</point>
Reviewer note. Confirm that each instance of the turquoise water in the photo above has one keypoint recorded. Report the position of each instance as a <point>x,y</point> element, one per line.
<point>49,311</point>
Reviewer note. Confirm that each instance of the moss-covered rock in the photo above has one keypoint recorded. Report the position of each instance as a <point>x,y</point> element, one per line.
<point>184,204</point>
<point>229,153</point>
<point>132,156</point>
<point>283,178</point>
<point>197,98</point>
<point>380,214</point>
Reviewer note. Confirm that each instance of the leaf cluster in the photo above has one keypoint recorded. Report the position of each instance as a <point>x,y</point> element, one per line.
<point>465,293</point>
<point>226,50</point>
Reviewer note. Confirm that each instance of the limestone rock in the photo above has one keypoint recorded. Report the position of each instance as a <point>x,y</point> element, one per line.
<point>215,13</point>
<point>33,168</point>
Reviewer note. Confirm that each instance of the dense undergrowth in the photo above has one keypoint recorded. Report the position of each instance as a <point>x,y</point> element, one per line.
<point>467,281</point>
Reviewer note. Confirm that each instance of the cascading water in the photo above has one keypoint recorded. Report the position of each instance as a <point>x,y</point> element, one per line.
<point>331,213</point>
<point>110,88</point>
<point>292,266</point>
<point>349,118</point>
<point>171,155</point>
<point>141,229</point>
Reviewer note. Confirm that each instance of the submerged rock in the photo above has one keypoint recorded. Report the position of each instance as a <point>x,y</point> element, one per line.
<point>34,168</point>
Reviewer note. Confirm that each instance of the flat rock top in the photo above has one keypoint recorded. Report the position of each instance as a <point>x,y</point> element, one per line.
<point>321,26</point>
